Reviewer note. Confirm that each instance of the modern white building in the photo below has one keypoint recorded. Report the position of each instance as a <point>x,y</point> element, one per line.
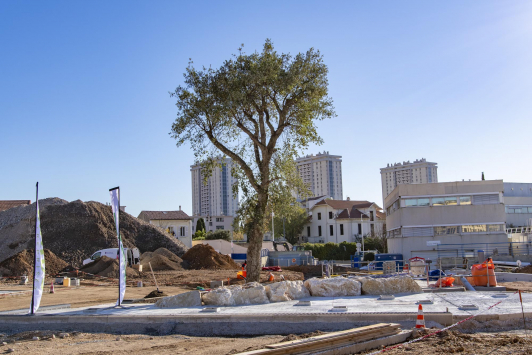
<point>176,223</point>
<point>446,219</point>
<point>322,173</point>
<point>339,221</point>
<point>518,201</point>
<point>215,198</point>
<point>419,172</point>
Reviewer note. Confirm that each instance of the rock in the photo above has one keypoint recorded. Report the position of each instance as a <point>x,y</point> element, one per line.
<point>36,338</point>
<point>53,336</point>
<point>187,299</point>
<point>221,297</point>
<point>10,350</point>
<point>4,343</point>
<point>389,285</point>
<point>64,335</point>
<point>117,338</point>
<point>286,291</point>
<point>251,293</point>
<point>333,287</point>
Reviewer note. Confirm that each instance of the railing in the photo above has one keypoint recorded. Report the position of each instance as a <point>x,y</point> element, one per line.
<point>523,230</point>
<point>470,250</point>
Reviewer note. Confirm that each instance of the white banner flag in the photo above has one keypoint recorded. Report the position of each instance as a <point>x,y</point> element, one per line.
<point>38,265</point>
<point>115,204</point>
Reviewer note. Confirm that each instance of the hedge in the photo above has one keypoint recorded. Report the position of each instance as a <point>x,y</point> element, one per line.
<point>332,251</point>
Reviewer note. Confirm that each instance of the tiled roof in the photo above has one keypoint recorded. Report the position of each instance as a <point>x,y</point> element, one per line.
<point>7,204</point>
<point>353,213</point>
<point>163,215</point>
<point>343,204</point>
<point>381,215</point>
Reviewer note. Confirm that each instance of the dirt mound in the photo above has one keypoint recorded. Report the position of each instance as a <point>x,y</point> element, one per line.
<point>162,259</point>
<point>22,264</point>
<point>291,337</point>
<point>75,230</point>
<point>524,269</point>
<point>203,256</point>
<point>107,267</point>
<point>155,293</point>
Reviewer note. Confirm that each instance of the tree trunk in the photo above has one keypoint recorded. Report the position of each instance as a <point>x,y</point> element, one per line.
<point>255,238</point>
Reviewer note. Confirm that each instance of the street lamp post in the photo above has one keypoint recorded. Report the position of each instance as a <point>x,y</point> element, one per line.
<point>273,230</point>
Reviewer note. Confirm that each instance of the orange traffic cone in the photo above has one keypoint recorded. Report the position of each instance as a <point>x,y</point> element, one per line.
<point>52,288</point>
<point>420,322</point>
<point>270,277</point>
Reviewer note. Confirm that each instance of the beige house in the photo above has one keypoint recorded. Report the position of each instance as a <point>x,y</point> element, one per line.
<point>175,223</point>
<point>339,221</point>
<point>456,218</point>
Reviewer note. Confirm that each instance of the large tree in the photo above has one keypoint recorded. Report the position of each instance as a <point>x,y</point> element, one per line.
<point>260,110</point>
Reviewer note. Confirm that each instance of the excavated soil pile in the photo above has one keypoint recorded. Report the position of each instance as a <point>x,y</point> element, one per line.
<point>292,337</point>
<point>75,230</point>
<point>524,269</point>
<point>156,293</point>
<point>162,259</point>
<point>22,264</point>
<point>203,256</point>
<point>107,267</point>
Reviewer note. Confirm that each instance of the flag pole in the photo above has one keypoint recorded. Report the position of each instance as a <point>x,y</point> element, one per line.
<point>35,249</point>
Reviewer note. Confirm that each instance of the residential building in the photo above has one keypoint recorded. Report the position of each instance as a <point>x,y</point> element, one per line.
<point>422,218</point>
<point>322,173</point>
<point>518,202</point>
<point>7,204</point>
<point>215,197</point>
<point>419,172</point>
<point>339,221</point>
<point>175,223</point>
<point>213,223</point>
<point>308,203</point>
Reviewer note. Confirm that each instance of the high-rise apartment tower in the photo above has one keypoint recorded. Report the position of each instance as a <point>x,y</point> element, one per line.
<point>419,172</point>
<point>215,198</point>
<point>322,173</point>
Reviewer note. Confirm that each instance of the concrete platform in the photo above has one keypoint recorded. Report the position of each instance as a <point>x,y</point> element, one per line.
<point>273,318</point>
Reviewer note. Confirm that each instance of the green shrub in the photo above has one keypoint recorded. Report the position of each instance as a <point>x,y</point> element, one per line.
<point>331,251</point>
<point>199,235</point>
<point>219,234</point>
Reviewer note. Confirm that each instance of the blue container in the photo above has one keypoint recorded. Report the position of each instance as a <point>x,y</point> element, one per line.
<point>236,256</point>
<point>379,258</point>
<point>355,261</point>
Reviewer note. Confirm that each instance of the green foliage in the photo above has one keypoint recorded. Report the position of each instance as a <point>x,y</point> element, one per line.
<point>295,217</point>
<point>376,242</point>
<point>199,235</point>
<point>369,257</point>
<point>261,111</point>
<point>200,225</point>
<point>331,251</point>
<point>218,234</point>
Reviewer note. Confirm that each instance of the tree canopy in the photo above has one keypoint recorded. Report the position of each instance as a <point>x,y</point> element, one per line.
<point>260,110</point>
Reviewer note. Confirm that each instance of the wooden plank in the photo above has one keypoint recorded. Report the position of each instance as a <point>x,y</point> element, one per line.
<point>343,333</point>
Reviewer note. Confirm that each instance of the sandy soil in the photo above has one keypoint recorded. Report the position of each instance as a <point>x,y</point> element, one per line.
<point>524,286</point>
<point>100,344</point>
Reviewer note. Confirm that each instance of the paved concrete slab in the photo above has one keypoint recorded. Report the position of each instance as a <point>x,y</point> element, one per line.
<point>273,318</point>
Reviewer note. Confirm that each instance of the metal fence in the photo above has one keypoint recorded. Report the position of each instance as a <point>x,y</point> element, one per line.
<point>471,250</point>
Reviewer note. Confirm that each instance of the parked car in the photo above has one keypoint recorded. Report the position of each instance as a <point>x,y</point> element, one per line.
<point>133,255</point>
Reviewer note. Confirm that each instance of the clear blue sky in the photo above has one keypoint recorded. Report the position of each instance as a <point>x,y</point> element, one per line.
<point>84,102</point>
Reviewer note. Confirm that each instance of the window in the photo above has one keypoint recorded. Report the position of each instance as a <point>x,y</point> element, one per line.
<point>170,230</point>
<point>451,201</point>
<point>371,215</point>
<point>420,202</point>
<point>410,202</point>
<point>330,215</point>
<point>423,202</point>
<point>182,231</point>
<point>319,216</point>
<point>219,219</point>
<point>438,201</point>
<point>478,228</point>
<point>341,229</point>
<point>319,231</point>
<point>445,230</point>
<point>308,231</point>
<point>331,230</point>
<point>360,228</point>
<point>465,200</point>
<point>219,227</point>
<point>496,227</point>
<point>96,256</point>
<point>372,226</point>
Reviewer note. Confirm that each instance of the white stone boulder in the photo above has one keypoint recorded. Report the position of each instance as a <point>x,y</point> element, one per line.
<point>187,299</point>
<point>333,287</point>
<point>286,291</point>
<point>389,285</point>
<point>251,293</point>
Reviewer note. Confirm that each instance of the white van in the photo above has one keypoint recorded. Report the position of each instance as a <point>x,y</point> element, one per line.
<point>133,255</point>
